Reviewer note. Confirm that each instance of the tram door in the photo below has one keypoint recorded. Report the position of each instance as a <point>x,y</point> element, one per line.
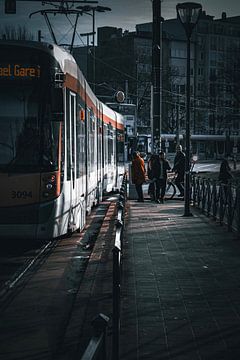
<point>72,157</point>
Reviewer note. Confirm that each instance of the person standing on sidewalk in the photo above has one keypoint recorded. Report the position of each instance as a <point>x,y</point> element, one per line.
<point>152,180</point>
<point>159,171</point>
<point>179,168</point>
<point>225,176</point>
<point>138,174</point>
<point>225,172</point>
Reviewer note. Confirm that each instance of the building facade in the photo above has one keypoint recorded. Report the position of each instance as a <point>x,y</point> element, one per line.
<point>123,61</point>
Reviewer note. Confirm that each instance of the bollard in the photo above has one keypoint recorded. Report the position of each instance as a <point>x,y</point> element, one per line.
<point>221,204</point>
<point>238,207</point>
<point>209,197</point>
<point>214,199</point>
<point>229,207</point>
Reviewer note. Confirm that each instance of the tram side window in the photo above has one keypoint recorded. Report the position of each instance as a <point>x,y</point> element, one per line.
<point>92,135</point>
<point>105,137</point>
<point>110,146</point>
<point>73,134</point>
<point>120,146</point>
<point>62,147</point>
<point>99,142</point>
<point>89,141</point>
<point>68,137</point>
<point>94,127</point>
<point>82,149</point>
<point>80,144</point>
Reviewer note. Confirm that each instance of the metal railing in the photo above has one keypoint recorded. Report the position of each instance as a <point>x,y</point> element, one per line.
<point>117,260</point>
<point>218,200</point>
<point>96,349</point>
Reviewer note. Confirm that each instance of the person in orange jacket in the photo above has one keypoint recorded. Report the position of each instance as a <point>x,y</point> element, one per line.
<point>138,174</point>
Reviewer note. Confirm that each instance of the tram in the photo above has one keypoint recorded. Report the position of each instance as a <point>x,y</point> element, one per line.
<point>60,147</point>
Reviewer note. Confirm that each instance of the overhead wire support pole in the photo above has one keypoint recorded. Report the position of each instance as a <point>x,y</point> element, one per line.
<point>94,51</point>
<point>91,10</point>
<point>87,35</point>
<point>63,11</point>
<point>156,74</point>
<point>74,33</point>
<point>49,27</point>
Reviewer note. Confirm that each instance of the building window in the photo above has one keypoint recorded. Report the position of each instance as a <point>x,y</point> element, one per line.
<point>221,43</point>
<point>182,89</point>
<point>213,73</point>
<point>213,43</point>
<point>228,88</point>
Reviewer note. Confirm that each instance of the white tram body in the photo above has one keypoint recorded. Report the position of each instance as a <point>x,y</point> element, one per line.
<point>60,147</point>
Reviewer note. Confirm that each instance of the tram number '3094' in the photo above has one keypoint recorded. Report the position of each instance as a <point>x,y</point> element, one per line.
<point>21,194</point>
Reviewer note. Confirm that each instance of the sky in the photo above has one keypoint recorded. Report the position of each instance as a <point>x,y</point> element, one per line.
<point>124,14</point>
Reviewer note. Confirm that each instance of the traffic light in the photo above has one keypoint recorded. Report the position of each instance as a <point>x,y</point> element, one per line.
<point>10,6</point>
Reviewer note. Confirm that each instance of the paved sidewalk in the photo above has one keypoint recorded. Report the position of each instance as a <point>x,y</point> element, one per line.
<point>181,286</point>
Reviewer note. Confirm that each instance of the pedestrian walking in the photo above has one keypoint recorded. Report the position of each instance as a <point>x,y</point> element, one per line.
<point>152,180</point>
<point>179,169</point>
<point>160,167</point>
<point>138,174</point>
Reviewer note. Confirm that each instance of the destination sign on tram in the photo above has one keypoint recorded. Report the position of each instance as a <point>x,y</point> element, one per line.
<point>19,71</point>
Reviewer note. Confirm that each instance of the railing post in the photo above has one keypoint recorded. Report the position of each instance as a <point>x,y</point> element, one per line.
<point>198,192</point>
<point>221,203</point>
<point>203,195</point>
<point>229,204</point>
<point>117,252</point>
<point>238,207</point>
<point>97,346</point>
<point>194,189</point>
<point>116,292</point>
<point>214,199</point>
<point>209,197</point>
<point>117,258</point>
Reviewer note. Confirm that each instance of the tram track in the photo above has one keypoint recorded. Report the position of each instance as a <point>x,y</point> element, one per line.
<point>38,300</point>
<point>20,262</point>
<point>10,286</point>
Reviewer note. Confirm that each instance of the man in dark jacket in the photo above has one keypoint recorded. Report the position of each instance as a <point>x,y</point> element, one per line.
<point>159,172</point>
<point>179,168</point>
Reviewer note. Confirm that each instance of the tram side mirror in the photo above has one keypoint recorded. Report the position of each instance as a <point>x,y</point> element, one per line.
<point>57,105</point>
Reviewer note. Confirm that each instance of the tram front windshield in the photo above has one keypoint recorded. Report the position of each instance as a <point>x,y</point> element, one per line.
<point>28,138</point>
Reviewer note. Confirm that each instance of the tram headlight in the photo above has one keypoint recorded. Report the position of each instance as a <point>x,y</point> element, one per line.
<point>49,186</point>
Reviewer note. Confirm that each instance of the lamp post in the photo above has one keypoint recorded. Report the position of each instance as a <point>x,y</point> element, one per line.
<point>156,76</point>
<point>188,13</point>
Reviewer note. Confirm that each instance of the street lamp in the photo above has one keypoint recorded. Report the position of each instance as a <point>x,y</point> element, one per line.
<point>188,13</point>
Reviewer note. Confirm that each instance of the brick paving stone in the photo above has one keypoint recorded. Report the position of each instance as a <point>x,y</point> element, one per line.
<point>181,286</point>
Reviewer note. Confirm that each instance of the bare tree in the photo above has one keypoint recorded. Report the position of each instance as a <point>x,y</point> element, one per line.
<point>11,32</point>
